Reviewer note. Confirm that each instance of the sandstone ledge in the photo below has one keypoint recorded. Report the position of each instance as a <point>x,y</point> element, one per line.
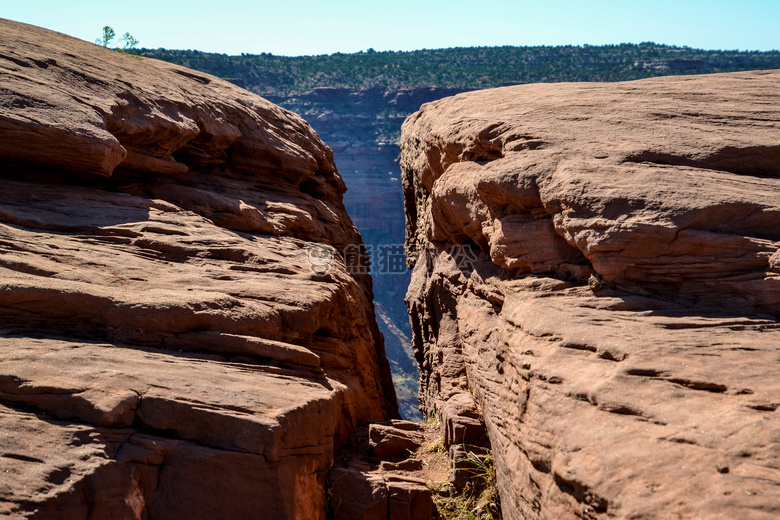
<point>166,349</point>
<point>596,263</point>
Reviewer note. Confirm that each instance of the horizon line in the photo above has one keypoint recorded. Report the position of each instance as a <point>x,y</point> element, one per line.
<point>371,50</point>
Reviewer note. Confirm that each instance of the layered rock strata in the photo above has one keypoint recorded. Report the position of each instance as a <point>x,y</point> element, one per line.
<point>596,270</point>
<point>184,332</point>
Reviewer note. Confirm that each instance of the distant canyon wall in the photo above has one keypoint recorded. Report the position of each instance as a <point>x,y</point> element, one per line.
<point>363,129</point>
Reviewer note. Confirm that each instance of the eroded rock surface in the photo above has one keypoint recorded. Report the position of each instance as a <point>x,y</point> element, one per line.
<point>169,345</point>
<point>387,472</point>
<point>596,264</point>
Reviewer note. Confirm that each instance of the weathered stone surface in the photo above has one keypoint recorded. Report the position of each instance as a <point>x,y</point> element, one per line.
<point>652,391</point>
<point>168,349</point>
<point>59,470</point>
<point>397,438</point>
<point>461,421</point>
<point>409,501</point>
<point>364,487</point>
<point>357,495</point>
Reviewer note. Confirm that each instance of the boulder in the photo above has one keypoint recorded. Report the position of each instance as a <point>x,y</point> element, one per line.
<point>398,438</point>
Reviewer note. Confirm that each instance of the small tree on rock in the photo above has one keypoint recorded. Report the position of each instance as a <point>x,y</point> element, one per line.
<point>107,38</point>
<point>127,41</point>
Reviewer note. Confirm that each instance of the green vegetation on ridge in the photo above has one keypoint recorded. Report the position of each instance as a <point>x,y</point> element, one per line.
<point>466,68</point>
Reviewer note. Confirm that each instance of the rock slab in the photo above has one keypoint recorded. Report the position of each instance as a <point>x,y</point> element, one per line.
<point>381,474</point>
<point>181,335</point>
<point>596,264</point>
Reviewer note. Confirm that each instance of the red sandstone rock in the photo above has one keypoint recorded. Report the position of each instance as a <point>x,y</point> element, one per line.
<point>652,392</point>
<point>398,438</point>
<point>461,421</point>
<point>409,501</point>
<point>358,495</point>
<point>364,488</point>
<point>166,348</point>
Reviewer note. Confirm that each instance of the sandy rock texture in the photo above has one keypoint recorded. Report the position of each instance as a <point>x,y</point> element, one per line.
<point>171,346</point>
<point>596,272</point>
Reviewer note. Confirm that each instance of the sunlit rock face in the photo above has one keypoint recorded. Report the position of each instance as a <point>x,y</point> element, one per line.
<point>596,268</point>
<point>181,332</point>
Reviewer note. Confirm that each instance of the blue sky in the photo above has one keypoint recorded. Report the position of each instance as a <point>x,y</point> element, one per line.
<point>298,27</point>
